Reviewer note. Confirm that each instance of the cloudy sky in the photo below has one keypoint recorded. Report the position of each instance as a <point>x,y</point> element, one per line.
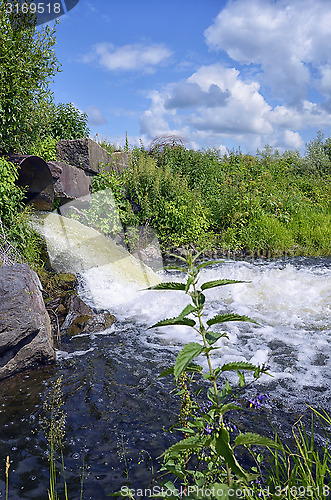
<point>242,73</point>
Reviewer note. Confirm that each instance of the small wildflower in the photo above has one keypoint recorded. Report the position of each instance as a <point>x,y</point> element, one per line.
<point>257,401</point>
<point>208,429</point>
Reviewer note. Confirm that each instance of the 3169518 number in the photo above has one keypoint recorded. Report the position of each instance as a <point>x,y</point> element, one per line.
<point>34,7</point>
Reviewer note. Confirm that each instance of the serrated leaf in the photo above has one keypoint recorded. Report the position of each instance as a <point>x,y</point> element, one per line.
<point>190,443</point>
<point>238,365</point>
<point>213,284</point>
<point>223,318</point>
<point>209,263</point>
<point>187,310</point>
<point>189,352</point>
<point>174,321</point>
<point>169,285</point>
<point>224,449</point>
<point>251,438</point>
<point>228,407</point>
<point>212,337</point>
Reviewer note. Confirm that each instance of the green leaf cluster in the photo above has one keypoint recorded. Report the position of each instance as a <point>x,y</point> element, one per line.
<point>27,66</point>
<point>206,455</point>
<point>270,203</point>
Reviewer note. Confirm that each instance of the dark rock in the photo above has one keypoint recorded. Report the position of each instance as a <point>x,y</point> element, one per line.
<point>76,323</point>
<point>66,281</point>
<point>82,153</point>
<point>70,315</point>
<point>76,304</point>
<point>89,156</point>
<point>99,322</point>
<point>70,182</point>
<point>25,330</point>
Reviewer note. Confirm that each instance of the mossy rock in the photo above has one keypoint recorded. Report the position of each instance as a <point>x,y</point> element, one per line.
<point>78,324</point>
<point>66,281</point>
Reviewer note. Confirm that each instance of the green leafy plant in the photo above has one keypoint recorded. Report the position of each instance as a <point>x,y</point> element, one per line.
<point>27,66</point>
<point>68,122</point>
<point>206,455</point>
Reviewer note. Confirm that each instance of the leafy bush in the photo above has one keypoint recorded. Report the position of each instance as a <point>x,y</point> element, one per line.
<point>14,217</point>
<point>266,202</point>
<point>205,457</point>
<point>45,148</point>
<point>28,64</point>
<point>68,122</point>
<point>11,196</point>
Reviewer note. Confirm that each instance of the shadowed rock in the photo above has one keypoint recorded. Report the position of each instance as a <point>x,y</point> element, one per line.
<point>25,330</point>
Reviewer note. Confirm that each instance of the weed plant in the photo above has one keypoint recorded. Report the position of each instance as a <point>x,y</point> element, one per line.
<point>205,461</point>
<point>206,457</point>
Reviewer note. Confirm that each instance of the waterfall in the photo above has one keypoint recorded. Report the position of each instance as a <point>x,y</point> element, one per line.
<point>74,247</point>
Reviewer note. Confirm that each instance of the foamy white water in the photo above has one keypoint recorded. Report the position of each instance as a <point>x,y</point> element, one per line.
<point>290,301</point>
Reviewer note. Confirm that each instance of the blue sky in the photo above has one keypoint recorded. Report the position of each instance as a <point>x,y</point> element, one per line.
<point>243,73</point>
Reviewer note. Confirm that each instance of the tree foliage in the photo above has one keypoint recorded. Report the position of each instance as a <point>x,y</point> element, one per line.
<point>27,66</point>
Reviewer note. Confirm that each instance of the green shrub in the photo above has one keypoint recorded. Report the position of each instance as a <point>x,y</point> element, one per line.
<point>45,148</point>
<point>265,202</point>
<point>67,122</point>
<point>28,64</point>
<point>11,196</point>
<point>267,233</point>
<point>13,215</point>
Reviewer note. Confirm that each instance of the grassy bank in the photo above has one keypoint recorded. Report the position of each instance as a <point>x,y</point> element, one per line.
<point>270,202</point>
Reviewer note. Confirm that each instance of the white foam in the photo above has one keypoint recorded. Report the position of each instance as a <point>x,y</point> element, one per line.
<point>290,303</point>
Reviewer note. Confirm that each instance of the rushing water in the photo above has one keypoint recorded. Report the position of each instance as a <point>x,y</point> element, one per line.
<point>113,398</point>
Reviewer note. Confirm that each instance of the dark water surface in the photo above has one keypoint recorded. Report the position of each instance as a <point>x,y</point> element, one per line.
<point>115,402</point>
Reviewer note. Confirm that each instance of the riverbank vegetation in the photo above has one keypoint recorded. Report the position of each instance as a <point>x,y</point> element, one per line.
<point>270,203</point>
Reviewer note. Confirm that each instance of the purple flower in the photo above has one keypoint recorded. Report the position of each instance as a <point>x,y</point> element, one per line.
<point>208,429</point>
<point>257,401</point>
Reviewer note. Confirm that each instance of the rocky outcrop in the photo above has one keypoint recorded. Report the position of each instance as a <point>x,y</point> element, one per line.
<point>25,329</point>
<point>70,177</point>
<point>90,156</point>
<point>69,182</point>
<point>69,314</point>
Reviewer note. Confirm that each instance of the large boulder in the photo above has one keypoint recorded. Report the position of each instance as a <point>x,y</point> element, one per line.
<point>90,156</point>
<point>25,330</point>
<point>69,182</point>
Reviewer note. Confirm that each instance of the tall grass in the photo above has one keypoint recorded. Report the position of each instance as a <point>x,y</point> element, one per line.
<point>269,202</point>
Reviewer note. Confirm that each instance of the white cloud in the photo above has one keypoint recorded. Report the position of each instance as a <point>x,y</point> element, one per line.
<point>244,116</point>
<point>128,57</point>
<point>278,45</point>
<point>293,140</point>
<point>245,110</point>
<point>95,116</point>
<point>287,40</point>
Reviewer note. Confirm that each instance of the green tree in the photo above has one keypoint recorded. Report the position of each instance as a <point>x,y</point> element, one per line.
<point>67,122</point>
<point>27,66</point>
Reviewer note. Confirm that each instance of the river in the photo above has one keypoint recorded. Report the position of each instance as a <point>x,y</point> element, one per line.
<point>115,404</point>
